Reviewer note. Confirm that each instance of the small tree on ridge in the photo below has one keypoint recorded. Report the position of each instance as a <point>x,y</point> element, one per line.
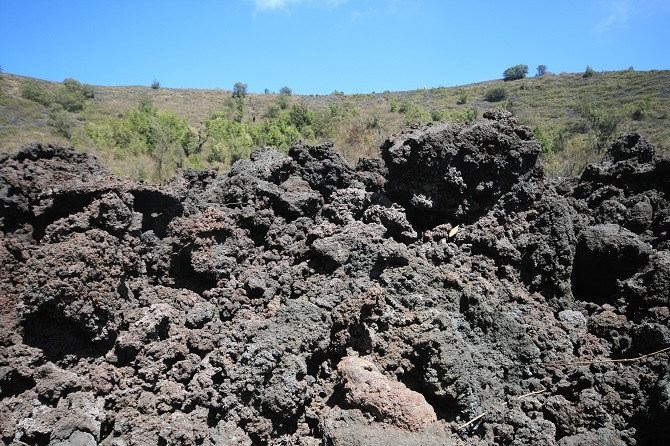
<point>515,72</point>
<point>239,90</point>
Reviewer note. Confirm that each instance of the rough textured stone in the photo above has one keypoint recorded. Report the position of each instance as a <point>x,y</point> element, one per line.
<point>297,300</point>
<point>367,389</point>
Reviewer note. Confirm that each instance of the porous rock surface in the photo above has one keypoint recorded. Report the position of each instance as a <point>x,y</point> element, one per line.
<point>299,300</point>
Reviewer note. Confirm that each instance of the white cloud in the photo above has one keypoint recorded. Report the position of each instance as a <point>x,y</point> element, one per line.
<point>266,5</point>
<point>269,5</point>
<point>617,14</point>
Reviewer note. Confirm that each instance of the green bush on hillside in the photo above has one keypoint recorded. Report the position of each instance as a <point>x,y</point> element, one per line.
<point>641,109</point>
<point>239,90</point>
<point>71,95</point>
<point>74,86</point>
<point>272,111</point>
<point>282,101</point>
<point>516,72</point>
<point>301,116</point>
<point>417,114</point>
<point>35,92</point>
<point>545,140</point>
<point>462,96</point>
<point>325,122</point>
<point>163,136</point>
<point>601,122</point>
<point>394,106</point>
<point>495,94</point>
<point>61,120</point>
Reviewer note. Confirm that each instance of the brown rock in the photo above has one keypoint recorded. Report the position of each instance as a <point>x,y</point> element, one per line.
<point>366,388</point>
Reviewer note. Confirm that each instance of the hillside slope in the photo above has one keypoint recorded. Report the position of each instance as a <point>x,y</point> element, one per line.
<point>563,110</point>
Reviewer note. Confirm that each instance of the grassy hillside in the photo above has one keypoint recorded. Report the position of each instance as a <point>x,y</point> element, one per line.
<point>142,132</point>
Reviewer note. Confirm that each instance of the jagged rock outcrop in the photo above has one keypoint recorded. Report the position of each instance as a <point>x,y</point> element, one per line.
<point>296,300</point>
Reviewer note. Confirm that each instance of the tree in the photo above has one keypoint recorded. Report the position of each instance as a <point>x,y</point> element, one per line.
<point>515,72</point>
<point>286,90</point>
<point>541,70</point>
<point>155,84</point>
<point>167,151</point>
<point>282,101</point>
<point>71,95</point>
<point>601,122</point>
<point>300,115</point>
<point>239,90</point>
<point>272,111</point>
<point>588,72</point>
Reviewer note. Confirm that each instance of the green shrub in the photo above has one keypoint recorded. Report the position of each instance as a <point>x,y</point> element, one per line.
<point>405,106</point>
<point>601,122</point>
<point>495,94</point>
<point>545,141</point>
<point>641,109</point>
<point>323,124</point>
<point>335,110</point>
<point>70,100</point>
<point>61,120</point>
<point>282,101</point>
<point>394,106</point>
<point>469,115</point>
<point>239,90</point>
<point>515,72</point>
<point>286,90</point>
<point>589,72</point>
<point>74,86</point>
<point>417,114</point>
<point>155,85</point>
<point>300,115</point>
<point>35,92</point>
<point>273,111</point>
<point>71,95</point>
<point>462,96</point>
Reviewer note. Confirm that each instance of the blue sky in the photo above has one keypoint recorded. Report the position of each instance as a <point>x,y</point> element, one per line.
<point>317,46</point>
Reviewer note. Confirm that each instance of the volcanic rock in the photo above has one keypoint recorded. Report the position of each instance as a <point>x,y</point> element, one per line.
<point>447,293</point>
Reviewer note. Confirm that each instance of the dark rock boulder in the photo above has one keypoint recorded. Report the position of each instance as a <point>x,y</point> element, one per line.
<point>458,172</point>
<point>606,254</point>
